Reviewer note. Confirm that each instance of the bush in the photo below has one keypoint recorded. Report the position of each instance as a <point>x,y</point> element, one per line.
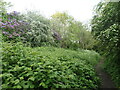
<point>13,27</point>
<point>30,28</point>
<point>46,67</point>
<point>113,68</point>
<point>38,34</point>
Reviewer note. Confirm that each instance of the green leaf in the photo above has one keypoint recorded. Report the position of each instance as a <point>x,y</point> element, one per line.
<point>21,78</point>
<point>16,81</point>
<point>31,78</point>
<point>18,86</point>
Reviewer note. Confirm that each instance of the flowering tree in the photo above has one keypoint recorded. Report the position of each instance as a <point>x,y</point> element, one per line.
<point>39,29</point>
<point>13,28</point>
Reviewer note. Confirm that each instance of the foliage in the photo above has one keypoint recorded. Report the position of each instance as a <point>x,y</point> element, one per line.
<point>47,67</point>
<point>30,28</point>
<point>39,29</point>
<point>113,68</point>
<point>13,28</point>
<point>3,7</point>
<point>106,29</point>
<point>70,33</point>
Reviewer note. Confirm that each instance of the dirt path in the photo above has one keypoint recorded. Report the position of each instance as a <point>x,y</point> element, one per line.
<point>106,82</point>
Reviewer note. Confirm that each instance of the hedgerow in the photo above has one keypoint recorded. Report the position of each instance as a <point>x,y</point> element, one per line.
<point>106,30</point>
<point>47,67</point>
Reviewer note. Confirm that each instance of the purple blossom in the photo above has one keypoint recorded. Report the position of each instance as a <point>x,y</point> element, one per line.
<point>3,23</point>
<point>8,13</point>
<point>11,26</point>
<point>6,21</point>
<point>26,23</point>
<point>5,32</point>
<point>3,26</point>
<point>10,36</point>
<point>15,24</point>
<point>9,22</point>
<point>56,35</point>
<point>20,21</point>
<point>18,34</point>
<point>14,33</point>
<point>16,13</point>
<point>14,20</point>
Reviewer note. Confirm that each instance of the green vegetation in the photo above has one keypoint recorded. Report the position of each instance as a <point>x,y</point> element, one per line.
<point>48,67</point>
<point>62,30</point>
<point>106,29</point>
<point>39,29</point>
<point>37,52</point>
<point>3,6</point>
<point>69,33</point>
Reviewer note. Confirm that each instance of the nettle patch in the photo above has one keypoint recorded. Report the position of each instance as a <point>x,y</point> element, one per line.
<point>46,67</point>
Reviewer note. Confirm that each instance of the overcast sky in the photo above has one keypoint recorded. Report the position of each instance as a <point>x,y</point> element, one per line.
<point>81,10</point>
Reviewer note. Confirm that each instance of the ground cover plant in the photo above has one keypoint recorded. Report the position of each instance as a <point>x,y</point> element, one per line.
<point>47,67</point>
<point>57,52</point>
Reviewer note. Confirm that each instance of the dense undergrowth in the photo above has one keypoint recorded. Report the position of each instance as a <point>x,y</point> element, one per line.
<point>106,30</point>
<point>47,67</point>
<point>113,68</point>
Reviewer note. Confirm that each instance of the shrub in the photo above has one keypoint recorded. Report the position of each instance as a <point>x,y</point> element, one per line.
<point>13,27</point>
<point>46,67</point>
<point>113,68</point>
<point>39,29</point>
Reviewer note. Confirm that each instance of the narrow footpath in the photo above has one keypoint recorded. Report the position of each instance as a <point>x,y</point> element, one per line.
<point>106,81</point>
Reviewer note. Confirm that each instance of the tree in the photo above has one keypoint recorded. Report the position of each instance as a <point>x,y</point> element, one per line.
<point>39,28</point>
<point>71,33</point>
<point>106,29</point>
<point>4,6</point>
<point>105,26</point>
